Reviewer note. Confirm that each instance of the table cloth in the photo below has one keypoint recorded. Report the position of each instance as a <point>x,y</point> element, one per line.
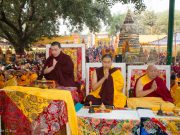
<point>116,122</point>
<point>32,110</point>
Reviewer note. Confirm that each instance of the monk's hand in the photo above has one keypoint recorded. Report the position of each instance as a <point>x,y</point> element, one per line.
<point>154,86</point>
<point>106,74</point>
<point>54,63</point>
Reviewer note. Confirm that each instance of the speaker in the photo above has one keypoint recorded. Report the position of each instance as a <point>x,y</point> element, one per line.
<point>118,58</point>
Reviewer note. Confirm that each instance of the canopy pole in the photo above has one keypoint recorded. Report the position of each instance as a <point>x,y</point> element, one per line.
<point>170,31</point>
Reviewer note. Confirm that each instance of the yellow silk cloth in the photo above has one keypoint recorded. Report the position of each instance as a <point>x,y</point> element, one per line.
<point>43,97</point>
<point>119,99</point>
<point>175,93</point>
<point>151,103</point>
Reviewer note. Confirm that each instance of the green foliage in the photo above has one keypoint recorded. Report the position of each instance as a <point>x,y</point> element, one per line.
<point>24,21</point>
<point>148,22</point>
<point>139,5</point>
<point>116,22</point>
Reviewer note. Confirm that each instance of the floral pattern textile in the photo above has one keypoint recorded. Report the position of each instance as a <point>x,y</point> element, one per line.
<point>30,105</point>
<point>20,116</point>
<point>52,119</point>
<point>73,90</point>
<point>12,117</point>
<point>94,126</point>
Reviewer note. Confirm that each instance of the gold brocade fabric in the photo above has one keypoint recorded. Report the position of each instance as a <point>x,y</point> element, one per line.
<point>27,96</point>
<point>30,105</point>
<point>73,54</point>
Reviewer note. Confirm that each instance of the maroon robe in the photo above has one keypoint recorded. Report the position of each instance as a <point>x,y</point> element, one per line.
<point>161,91</point>
<point>107,90</point>
<point>63,73</point>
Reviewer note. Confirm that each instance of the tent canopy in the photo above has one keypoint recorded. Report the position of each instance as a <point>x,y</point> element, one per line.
<point>163,41</point>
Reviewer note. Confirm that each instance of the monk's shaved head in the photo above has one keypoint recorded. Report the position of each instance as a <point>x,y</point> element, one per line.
<point>152,71</point>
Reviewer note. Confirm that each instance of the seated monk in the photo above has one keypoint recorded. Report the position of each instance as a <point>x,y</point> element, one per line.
<point>150,85</point>
<point>107,85</point>
<point>175,90</point>
<point>59,67</point>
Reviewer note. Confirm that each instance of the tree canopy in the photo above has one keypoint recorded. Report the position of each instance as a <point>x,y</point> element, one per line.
<point>24,21</point>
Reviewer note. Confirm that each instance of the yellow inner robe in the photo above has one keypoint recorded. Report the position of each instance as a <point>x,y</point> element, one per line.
<point>175,93</point>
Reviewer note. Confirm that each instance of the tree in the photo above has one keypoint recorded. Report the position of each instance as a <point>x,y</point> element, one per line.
<point>149,20</point>
<point>24,21</point>
<point>116,23</point>
<point>139,5</point>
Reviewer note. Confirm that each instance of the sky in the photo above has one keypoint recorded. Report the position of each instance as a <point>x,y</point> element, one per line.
<point>155,5</point>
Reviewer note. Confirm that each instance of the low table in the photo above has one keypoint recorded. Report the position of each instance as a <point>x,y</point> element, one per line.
<point>115,122</point>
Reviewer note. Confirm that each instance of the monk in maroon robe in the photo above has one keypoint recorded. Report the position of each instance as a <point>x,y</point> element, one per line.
<point>59,67</point>
<point>106,92</point>
<point>150,85</point>
<point>107,85</point>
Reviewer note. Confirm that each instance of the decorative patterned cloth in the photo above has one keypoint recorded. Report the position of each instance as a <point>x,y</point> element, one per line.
<point>32,119</point>
<point>151,127</point>
<point>73,90</point>
<point>35,110</point>
<point>160,126</point>
<point>93,126</point>
<point>116,122</point>
<point>172,125</point>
